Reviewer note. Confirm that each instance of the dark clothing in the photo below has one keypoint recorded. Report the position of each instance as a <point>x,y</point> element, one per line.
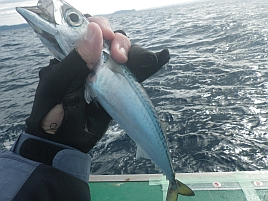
<point>22,179</point>
<point>46,167</point>
<point>63,83</point>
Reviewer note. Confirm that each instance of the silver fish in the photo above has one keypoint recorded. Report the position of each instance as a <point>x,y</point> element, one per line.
<point>61,28</point>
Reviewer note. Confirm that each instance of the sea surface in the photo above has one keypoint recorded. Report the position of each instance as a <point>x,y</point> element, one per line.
<point>213,94</point>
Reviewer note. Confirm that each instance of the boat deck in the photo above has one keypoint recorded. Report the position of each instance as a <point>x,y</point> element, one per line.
<point>223,186</point>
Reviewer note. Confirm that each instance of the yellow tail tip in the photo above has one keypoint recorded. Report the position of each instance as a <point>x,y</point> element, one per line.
<point>182,189</point>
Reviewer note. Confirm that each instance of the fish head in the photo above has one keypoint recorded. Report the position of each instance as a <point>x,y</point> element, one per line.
<point>60,26</point>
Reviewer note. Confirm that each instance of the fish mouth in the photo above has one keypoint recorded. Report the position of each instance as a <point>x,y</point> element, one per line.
<point>38,19</point>
<point>55,22</point>
<point>44,25</point>
<point>43,10</point>
<point>28,12</point>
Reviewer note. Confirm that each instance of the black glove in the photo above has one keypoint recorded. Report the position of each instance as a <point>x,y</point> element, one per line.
<point>143,63</point>
<point>63,83</point>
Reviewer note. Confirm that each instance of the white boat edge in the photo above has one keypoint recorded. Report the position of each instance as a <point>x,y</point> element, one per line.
<point>190,177</point>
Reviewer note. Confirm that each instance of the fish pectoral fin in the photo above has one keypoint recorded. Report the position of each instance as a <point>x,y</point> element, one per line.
<point>88,94</point>
<point>182,189</point>
<point>141,154</point>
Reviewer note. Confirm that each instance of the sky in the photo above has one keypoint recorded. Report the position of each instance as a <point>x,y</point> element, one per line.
<point>9,16</point>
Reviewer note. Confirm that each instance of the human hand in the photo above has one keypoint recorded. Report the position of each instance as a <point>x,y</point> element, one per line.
<point>91,47</point>
<point>60,112</point>
<point>90,51</point>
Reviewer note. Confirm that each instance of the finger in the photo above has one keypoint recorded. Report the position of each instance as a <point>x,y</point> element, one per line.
<point>119,48</point>
<point>105,26</point>
<point>91,47</point>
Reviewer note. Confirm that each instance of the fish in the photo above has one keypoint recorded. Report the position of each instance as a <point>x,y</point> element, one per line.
<point>61,28</point>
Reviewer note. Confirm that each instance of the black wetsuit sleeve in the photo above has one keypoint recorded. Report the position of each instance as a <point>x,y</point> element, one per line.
<point>56,81</point>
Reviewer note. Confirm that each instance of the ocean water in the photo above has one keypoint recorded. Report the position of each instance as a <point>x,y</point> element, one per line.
<point>212,94</point>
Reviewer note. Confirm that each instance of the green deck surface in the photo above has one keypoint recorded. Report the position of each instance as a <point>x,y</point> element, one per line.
<point>238,186</point>
<point>115,191</point>
<point>141,191</point>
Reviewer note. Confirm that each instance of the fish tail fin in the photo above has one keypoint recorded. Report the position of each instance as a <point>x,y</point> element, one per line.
<point>182,189</point>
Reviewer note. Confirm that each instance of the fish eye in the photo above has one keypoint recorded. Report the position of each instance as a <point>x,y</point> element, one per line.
<point>73,18</point>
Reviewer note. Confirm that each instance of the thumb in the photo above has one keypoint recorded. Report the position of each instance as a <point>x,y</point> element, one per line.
<point>91,46</point>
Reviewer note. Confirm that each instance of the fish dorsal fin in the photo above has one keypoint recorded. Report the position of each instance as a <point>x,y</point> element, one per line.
<point>141,154</point>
